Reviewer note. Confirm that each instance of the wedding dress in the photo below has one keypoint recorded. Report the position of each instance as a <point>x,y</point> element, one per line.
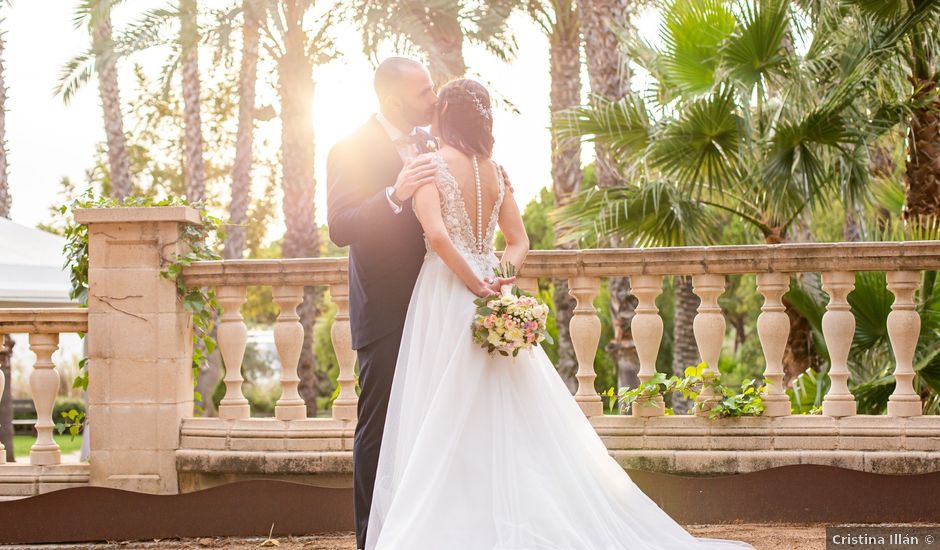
<point>486,452</point>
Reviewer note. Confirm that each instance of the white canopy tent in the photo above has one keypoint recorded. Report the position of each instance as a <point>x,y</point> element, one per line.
<point>31,272</point>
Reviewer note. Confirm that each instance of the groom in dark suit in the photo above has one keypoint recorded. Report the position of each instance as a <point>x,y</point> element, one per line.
<point>371,179</point>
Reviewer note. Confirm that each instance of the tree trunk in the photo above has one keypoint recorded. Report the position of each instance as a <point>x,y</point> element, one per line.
<point>445,53</point>
<point>601,20</point>
<point>5,197</point>
<point>193,169</point>
<point>621,347</point>
<point>194,173</point>
<point>685,351</point>
<point>922,174</point>
<point>6,342</point>
<point>235,242</point>
<point>565,62</point>
<point>6,399</point>
<point>118,162</point>
<point>302,239</point>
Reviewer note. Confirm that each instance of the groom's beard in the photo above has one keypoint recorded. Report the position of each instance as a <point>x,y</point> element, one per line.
<point>418,118</point>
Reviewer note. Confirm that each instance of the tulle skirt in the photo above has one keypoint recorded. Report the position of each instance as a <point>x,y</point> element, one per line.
<point>488,452</point>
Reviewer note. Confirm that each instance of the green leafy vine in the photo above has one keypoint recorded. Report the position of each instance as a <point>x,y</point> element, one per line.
<point>727,402</point>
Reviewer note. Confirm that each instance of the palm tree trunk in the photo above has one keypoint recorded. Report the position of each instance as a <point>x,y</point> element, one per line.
<point>685,351</point>
<point>6,199</point>
<point>445,51</point>
<point>106,68</point>
<point>922,174</point>
<point>194,172</point>
<point>193,169</point>
<point>244,140</point>
<point>6,342</point>
<point>302,239</point>
<point>609,75</point>
<point>565,62</point>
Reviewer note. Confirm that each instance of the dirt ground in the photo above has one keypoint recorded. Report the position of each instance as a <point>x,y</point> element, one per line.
<point>764,536</point>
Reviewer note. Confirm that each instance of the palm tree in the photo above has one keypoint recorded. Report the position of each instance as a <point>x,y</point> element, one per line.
<point>738,122</point>
<point>438,29</point>
<point>244,140</point>
<point>150,31</point>
<point>6,342</point>
<point>296,53</point>
<point>558,19</point>
<point>100,59</point>
<point>918,61</point>
<point>193,168</point>
<point>602,22</point>
<point>5,198</point>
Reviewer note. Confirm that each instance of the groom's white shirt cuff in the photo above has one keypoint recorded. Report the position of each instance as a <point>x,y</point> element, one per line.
<point>394,134</point>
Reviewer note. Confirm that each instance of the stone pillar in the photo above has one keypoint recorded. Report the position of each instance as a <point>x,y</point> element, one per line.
<point>140,379</point>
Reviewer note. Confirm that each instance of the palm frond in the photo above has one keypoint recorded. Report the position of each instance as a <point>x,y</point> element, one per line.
<point>74,74</point>
<point>755,48</point>
<point>623,126</point>
<point>699,148</point>
<point>692,33</point>
<point>647,214</point>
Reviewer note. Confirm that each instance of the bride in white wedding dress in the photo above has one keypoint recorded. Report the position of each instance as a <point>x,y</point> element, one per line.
<point>486,452</point>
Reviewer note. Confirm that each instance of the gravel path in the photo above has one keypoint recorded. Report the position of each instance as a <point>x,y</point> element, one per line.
<point>764,536</point>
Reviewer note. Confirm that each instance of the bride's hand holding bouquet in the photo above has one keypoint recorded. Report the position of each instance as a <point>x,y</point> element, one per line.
<point>511,320</point>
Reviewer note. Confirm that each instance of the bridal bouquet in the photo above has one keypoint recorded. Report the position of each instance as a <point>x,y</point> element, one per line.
<point>510,321</point>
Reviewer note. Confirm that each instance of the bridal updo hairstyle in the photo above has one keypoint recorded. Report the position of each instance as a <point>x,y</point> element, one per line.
<point>465,117</point>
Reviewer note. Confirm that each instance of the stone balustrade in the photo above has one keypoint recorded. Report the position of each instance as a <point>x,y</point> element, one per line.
<point>144,436</point>
<point>45,470</point>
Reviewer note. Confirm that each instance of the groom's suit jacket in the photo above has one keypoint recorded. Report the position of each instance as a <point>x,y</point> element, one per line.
<point>385,249</point>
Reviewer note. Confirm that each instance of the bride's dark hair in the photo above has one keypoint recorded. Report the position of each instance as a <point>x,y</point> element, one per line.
<point>465,117</point>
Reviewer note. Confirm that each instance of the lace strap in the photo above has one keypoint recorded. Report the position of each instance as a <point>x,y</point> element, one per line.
<point>502,187</point>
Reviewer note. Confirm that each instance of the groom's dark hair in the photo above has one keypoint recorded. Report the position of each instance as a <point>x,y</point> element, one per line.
<point>465,117</point>
<point>388,74</point>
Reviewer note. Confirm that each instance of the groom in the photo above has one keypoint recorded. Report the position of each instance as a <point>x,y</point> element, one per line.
<point>370,182</point>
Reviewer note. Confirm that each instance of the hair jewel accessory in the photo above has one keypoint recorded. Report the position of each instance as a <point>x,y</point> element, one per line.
<point>478,103</point>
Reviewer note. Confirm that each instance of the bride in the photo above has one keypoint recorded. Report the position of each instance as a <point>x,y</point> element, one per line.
<point>485,452</point>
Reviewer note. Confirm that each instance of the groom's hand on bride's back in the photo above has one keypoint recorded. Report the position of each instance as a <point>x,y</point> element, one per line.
<point>506,178</point>
<point>420,171</point>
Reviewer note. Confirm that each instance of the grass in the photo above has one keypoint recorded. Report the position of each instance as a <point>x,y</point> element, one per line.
<point>22,443</point>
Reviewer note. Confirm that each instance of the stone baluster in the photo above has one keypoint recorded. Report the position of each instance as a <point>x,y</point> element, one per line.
<point>288,338</point>
<point>233,335</point>
<point>773,328</point>
<point>344,407</point>
<point>529,285</point>
<point>44,383</point>
<point>838,325</point>
<point>585,330</point>
<point>903,331</point>
<point>709,330</point>
<point>647,329</point>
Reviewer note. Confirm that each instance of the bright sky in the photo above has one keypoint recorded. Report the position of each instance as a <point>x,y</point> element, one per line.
<point>47,140</point>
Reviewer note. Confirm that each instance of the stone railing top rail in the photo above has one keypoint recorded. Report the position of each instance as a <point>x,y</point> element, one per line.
<point>690,260</point>
<point>288,271</point>
<point>45,320</point>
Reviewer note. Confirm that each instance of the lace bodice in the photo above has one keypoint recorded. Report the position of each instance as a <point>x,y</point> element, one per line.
<point>457,219</point>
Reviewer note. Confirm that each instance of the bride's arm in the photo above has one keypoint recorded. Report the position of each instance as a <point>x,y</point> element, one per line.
<point>427,201</point>
<point>517,241</point>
